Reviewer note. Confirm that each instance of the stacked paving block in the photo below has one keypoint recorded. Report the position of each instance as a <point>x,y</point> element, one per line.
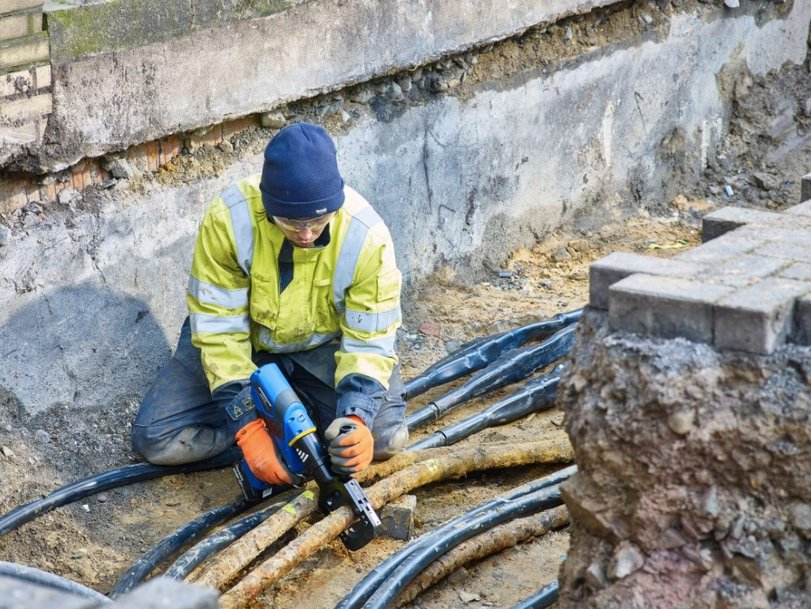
<point>747,287</point>
<point>25,75</point>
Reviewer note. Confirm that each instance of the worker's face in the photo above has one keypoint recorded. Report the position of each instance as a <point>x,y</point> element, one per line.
<point>303,232</point>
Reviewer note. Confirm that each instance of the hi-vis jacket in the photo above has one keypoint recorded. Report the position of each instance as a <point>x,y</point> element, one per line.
<point>251,289</point>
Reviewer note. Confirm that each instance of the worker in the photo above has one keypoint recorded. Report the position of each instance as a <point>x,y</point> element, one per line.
<point>294,267</point>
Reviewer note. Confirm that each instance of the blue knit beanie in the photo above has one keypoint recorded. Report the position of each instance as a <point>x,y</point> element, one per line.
<point>300,177</point>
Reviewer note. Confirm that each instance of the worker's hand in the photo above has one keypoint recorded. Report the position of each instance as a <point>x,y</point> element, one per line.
<point>351,445</point>
<point>260,454</point>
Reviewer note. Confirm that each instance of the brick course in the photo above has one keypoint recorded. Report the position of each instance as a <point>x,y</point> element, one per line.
<point>9,6</point>
<point>21,51</point>
<point>14,26</point>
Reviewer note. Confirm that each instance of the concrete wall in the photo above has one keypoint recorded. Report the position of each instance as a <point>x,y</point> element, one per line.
<point>128,72</point>
<point>93,300</point>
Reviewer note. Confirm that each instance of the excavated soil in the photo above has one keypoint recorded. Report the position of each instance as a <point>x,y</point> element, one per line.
<point>95,540</point>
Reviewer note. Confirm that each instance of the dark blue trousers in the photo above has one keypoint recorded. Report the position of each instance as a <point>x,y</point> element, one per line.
<point>180,422</point>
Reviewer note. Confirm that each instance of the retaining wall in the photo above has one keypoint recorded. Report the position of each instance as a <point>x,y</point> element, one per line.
<point>130,72</point>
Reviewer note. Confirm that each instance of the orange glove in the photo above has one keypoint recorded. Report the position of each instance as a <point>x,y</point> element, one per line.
<point>260,453</point>
<point>351,445</point>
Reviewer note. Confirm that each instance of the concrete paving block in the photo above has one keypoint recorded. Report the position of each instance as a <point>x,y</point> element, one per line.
<point>165,593</point>
<point>802,321</point>
<point>799,271</point>
<point>619,265</point>
<point>19,594</point>
<point>805,188</point>
<point>721,248</point>
<point>796,234</point>
<point>667,307</point>
<point>791,252</point>
<point>743,270</point>
<point>758,319</point>
<point>43,74</point>
<point>397,518</point>
<point>728,219</point>
<point>803,209</point>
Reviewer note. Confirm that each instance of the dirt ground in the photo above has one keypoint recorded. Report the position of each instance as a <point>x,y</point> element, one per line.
<point>95,540</point>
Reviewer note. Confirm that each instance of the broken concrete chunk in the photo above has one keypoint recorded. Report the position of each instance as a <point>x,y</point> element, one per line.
<point>627,559</point>
<point>69,196</point>
<point>273,120</point>
<point>681,422</point>
<point>397,518</point>
<point>468,597</point>
<point>595,576</point>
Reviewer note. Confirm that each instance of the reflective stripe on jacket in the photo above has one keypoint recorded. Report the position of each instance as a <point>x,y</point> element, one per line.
<point>349,288</point>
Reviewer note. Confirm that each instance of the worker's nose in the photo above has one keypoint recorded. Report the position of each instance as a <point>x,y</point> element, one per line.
<point>306,234</point>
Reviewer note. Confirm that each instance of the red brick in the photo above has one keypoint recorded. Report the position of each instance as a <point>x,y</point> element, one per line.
<point>152,151</point>
<point>78,174</point>
<point>170,148</point>
<point>241,124</point>
<point>212,137</point>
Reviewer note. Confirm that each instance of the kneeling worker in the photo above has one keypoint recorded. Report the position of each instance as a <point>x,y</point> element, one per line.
<point>293,267</point>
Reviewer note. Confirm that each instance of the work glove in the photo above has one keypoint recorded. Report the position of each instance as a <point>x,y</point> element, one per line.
<point>350,444</point>
<point>261,454</point>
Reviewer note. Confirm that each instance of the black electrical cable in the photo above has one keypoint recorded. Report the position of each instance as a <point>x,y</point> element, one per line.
<point>195,556</point>
<point>538,394</point>
<point>169,544</point>
<point>49,580</point>
<point>106,481</point>
<point>529,398</point>
<point>509,368</point>
<point>480,352</point>
<point>417,561</point>
<point>542,599</point>
<point>366,587</point>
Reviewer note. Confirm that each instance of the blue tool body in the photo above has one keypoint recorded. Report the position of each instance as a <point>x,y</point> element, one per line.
<point>300,449</point>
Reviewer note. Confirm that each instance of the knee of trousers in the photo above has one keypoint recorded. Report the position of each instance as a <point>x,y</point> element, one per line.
<point>389,430</point>
<point>152,444</point>
<point>160,446</point>
<point>389,440</point>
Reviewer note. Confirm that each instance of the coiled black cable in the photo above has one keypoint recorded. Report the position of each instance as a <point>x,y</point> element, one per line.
<point>536,395</point>
<point>509,368</point>
<point>542,599</point>
<point>105,481</point>
<point>367,586</point>
<point>195,556</point>
<point>418,560</point>
<point>169,544</point>
<point>49,580</point>
<point>481,352</point>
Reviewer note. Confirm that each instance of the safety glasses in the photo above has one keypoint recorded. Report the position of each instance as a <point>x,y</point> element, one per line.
<point>300,224</point>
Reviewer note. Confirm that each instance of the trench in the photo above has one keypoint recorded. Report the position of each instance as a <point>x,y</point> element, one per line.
<point>502,172</point>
